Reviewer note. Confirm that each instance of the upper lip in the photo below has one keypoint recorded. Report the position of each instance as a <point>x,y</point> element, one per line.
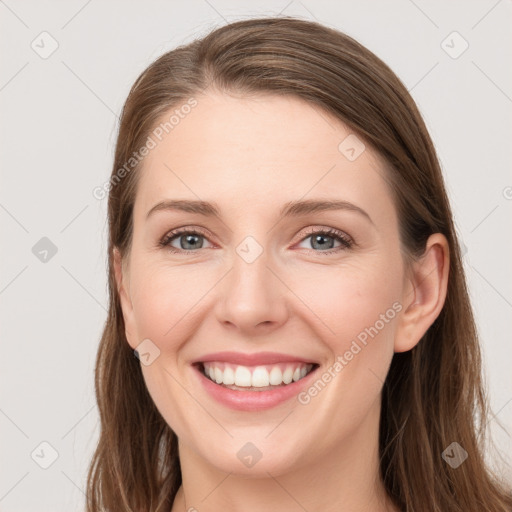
<point>254,359</point>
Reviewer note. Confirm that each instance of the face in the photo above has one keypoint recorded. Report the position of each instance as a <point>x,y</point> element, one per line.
<point>293,309</point>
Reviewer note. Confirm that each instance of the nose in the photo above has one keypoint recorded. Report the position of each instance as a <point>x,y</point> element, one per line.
<point>252,298</point>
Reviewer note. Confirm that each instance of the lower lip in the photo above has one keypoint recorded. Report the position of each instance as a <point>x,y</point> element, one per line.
<point>253,400</point>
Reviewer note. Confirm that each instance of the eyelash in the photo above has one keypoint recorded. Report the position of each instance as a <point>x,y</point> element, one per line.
<point>346,241</point>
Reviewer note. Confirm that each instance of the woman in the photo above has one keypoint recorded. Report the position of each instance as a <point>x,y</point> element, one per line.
<point>289,325</point>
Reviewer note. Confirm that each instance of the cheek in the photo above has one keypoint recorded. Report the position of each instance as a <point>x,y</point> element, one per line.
<point>165,300</point>
<point>368,311</point>
<point>349,300</point>
<point>360,307</point>
<point>164,313</point>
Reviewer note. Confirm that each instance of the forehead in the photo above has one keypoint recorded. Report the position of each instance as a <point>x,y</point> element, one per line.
<point>258,150</point>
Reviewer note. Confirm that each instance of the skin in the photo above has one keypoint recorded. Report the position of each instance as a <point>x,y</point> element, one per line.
<point>250,156</point>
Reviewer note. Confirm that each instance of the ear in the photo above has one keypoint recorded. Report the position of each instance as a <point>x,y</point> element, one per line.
<point>123,287</point>
<point>424,294</point>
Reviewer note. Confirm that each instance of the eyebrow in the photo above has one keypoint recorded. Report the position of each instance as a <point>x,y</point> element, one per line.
<point>290,209</point>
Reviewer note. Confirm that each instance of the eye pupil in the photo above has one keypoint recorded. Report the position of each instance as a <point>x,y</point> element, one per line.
<point>321,240</point>
<point>189,240</point>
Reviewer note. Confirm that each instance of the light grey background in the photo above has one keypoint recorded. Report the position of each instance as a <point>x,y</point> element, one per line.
<point>59,122</point>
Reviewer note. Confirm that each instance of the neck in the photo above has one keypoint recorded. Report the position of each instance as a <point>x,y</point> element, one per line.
<point>345,479</point>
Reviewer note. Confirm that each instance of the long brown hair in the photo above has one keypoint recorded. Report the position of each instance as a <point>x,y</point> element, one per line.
<point>433,394</point>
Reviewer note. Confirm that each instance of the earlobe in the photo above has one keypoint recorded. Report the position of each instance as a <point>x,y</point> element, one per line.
<point>124,297</point>
<point>425,295</point>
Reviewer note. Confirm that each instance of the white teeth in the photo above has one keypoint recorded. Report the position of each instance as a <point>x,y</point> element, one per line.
<point>229,376</point>
<point>288,375</point>
<point>275,377</point>
<point>260,377</point>
<point>243,376</point>
<point>256,377</point>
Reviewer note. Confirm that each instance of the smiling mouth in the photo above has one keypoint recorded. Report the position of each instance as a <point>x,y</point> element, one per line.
<point>255,378</point>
